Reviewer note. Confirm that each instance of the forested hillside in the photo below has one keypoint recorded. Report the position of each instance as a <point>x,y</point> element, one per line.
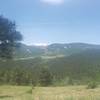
<point>82,67</point>
<point>79,68</point>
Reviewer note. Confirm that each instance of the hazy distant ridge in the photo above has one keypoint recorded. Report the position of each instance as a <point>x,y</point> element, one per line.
<point>56,49</point>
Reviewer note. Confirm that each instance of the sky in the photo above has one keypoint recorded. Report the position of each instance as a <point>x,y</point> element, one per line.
<point>44,22</point>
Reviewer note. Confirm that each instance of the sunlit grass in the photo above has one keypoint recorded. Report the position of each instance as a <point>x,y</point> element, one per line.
<point>48,93</point>
<point>15,93</point>
<point>66,93</point>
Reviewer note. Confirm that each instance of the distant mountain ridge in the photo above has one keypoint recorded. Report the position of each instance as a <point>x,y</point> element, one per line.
<point>56,49</point>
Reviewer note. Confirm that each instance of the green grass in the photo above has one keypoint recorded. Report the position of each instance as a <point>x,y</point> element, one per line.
<point>48,93</point>
<point>15,93</point>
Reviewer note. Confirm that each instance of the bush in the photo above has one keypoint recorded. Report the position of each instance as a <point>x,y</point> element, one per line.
<point>92,85</point>
<point>46,77</point>
<point>70,81</point>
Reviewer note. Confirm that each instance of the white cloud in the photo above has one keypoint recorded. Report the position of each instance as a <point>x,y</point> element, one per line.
<point>53,1</point>
<point>40,44</point>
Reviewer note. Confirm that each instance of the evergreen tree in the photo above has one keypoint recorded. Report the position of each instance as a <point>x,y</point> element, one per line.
<point>9,37</point>
<point>45,78</point>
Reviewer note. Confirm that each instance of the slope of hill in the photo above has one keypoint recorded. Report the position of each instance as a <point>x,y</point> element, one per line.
<point>81,66</point>
<point>53,50</point>
<point>25,51</point>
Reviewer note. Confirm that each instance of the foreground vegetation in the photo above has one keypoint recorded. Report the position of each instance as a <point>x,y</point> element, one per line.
<point>49,93</point>
<point>15,93</point>
<point>66,93</point>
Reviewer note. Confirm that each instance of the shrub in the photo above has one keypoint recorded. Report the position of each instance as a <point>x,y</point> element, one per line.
<point>92,85</point>
<point>46,77</point>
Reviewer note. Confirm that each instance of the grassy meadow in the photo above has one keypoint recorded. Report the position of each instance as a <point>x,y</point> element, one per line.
<point>48,93</point>
<point>15,93</point>
<point>66,93</point>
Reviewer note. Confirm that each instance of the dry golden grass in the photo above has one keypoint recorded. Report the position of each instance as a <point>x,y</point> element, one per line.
<point>49,93</point>
<point>66,93</point>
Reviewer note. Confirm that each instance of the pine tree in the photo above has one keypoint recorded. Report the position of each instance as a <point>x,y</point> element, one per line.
<point>9,37</point>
